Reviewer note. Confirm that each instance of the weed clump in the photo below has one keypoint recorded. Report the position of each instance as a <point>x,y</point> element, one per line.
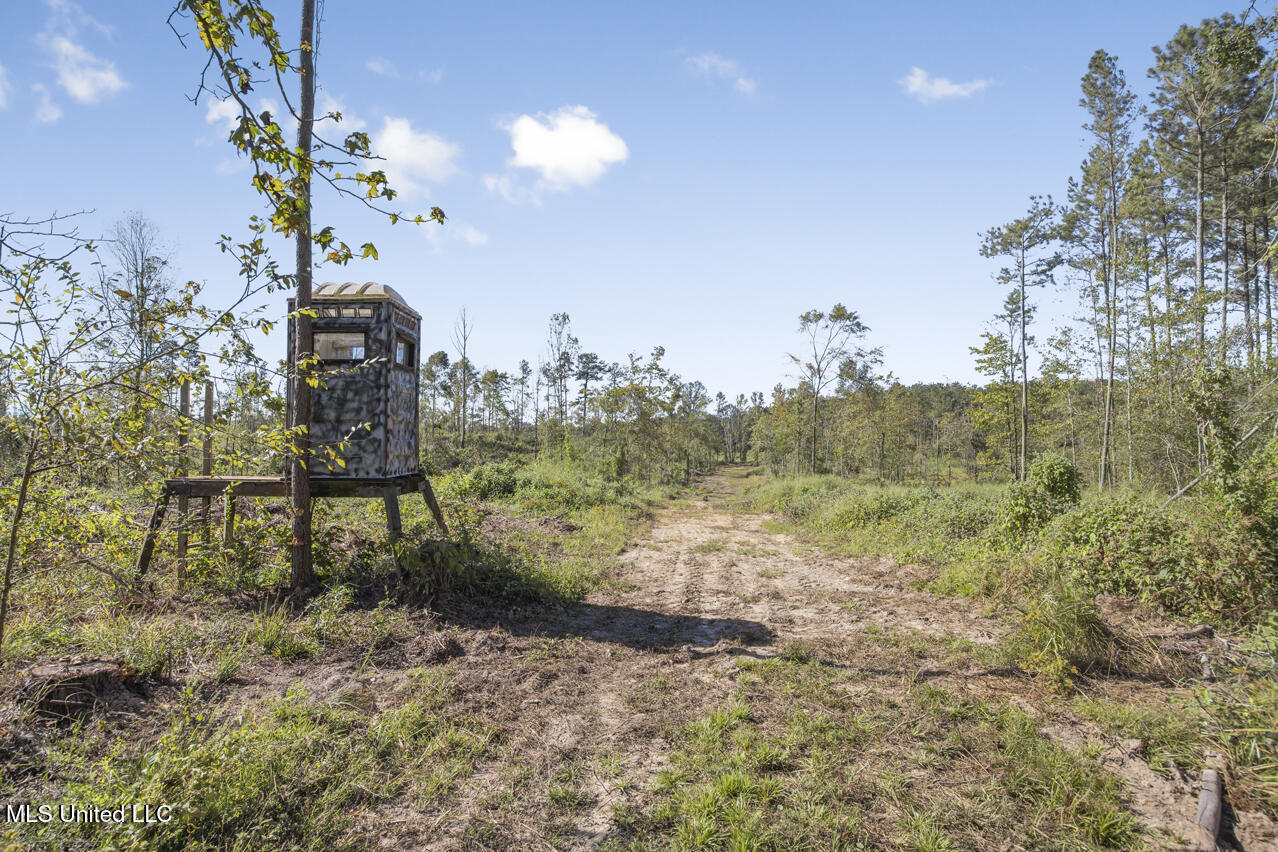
<point>290,769</point>
<point>1059,635</point>
<point>1051,486</point>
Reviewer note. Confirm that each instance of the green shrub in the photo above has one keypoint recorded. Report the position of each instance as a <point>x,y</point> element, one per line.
<point>798,499</point>
<point>1051,487</point>
<point>485,482</point>
<point>1059,635</point>
<point>1057,477</point>
<point>1117,544</point>
<point>952,514</point>
<point>863,510</point>
<point>1204,560</point>
<point>1214,557</point>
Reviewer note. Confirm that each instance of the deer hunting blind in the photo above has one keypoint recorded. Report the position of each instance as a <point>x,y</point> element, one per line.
<point>364,415</point>
<point>366,340</point>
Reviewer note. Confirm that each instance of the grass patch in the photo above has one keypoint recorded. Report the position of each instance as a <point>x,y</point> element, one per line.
<point>574,522</point>
<point>805,757</point>
<point>288,772</point>
<point>1171,735</point>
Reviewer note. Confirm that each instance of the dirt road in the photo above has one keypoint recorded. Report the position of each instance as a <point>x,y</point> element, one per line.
<point>589,700</point>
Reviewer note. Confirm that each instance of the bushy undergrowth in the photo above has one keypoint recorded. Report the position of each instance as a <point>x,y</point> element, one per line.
<point>548,487</point>
<point>1046,550</point>
<point>1202,558</point>
<point>921,525</point>
<point>576,520</point>
<point>295,773</point>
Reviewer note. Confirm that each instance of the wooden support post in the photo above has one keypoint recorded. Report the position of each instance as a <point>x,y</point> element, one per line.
<point>206,460</point>
<point>394,526</point>
<point>393,523</point>
<point>429,496</point>
<point>228,519</point>
<point>1210,804</point>
<point>184,502</point>
<point>152,530</point>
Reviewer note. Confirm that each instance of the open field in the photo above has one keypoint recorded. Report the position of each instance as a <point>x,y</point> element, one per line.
<point>722,685</point>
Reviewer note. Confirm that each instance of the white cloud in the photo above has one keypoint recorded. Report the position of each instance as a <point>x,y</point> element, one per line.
<point>512,192</point>
<point>225,112</point>
<point>69,16</point>
<point>349,123</point>
<point>47,112</point>
<point>412,157</point>
<point>382,66</point>
<point>713,65</point>
<point>4,88</point>
<point>472,235</point>
<point>84,76</point>
<point>925,88</point>
<point>452,234</point>
<point>569,147</point>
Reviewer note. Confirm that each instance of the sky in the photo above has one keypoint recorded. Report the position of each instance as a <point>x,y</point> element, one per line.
<point>693,175</point>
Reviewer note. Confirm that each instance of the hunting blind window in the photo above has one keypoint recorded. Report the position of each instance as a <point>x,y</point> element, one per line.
<point>340,345</point>
<point>403,353</point>
<point>348,312</point>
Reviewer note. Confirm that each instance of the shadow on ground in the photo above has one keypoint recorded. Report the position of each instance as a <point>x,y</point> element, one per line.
<point>623,625</point>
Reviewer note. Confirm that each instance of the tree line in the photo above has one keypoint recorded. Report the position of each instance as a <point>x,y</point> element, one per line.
<point>1165,239</point>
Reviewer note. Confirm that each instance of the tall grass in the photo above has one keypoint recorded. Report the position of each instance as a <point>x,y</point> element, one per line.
<point>575,519</point>
<point>1045,555</point>
<point>294,773</point>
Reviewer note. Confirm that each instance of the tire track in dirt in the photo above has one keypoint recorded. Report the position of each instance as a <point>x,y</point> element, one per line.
<point>589,699</point>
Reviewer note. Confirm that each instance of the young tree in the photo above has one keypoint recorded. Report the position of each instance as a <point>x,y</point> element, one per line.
<point>522,384</point>
<point>1093,224</point>
<point>562,350</point>
<point>434,376</point>
<point>1026,242</point>
<point>590,368</point>
<point>462,330</point>
<point>830,339</point>
<point>133,295</point>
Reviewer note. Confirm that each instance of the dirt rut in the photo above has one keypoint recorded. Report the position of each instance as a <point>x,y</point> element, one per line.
<point>587,699</point>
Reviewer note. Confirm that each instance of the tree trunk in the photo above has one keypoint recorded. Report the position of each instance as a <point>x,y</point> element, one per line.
<point>300,554</point>
<point>1024,380</point>
<point>1269,314</point>
<point>1224,262</point>
<point>461,424</point>
<point>1127,380</point>
<point>1199,283</point>
<point>15,526</point>
<point>1107,405</point>
<point>816,402</point>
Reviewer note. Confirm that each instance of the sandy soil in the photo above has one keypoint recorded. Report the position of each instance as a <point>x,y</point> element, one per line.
<point>588,695</point>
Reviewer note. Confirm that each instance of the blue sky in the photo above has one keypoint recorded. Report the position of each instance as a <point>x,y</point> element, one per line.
<point>693,175</point>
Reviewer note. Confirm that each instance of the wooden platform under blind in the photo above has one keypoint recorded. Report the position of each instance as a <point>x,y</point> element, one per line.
<point>232,488</point>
